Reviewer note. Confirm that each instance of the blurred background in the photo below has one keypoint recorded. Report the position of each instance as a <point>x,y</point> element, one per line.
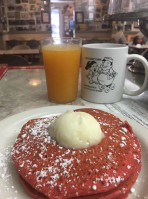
<point>24,22</point>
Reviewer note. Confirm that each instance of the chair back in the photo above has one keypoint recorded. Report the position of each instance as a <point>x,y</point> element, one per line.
<point>13,60</point>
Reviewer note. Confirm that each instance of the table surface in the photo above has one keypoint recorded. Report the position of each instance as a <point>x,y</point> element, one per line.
<point>25,89</point>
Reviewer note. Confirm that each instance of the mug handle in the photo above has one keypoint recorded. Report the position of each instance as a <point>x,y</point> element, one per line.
<point>145,64</point>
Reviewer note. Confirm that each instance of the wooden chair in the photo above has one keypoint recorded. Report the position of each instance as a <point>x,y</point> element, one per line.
<point>13,60</point>
<point>33,44</point>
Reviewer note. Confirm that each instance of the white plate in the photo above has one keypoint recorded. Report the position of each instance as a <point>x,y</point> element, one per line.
<point>10,187</point>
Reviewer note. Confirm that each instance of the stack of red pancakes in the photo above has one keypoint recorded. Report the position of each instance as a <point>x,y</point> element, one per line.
<point>104,171</point>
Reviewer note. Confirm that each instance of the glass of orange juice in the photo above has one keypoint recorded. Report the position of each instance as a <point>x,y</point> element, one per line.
<point>61,57</point>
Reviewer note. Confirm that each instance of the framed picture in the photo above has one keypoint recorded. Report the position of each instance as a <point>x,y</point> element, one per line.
<point>11,14</point>
<point>25,8</point>
<point>17,15</point>
<point>12,22</point>
<point>32,8</point>
<point>11,8</point>
<point>45,17</point>
<point>31,22</point>
<point>79,17</point>
<point>31,15</point>
<point>24,15</point>
<point>18,8</point>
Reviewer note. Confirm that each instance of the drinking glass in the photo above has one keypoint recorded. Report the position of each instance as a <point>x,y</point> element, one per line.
<point>61,57</point>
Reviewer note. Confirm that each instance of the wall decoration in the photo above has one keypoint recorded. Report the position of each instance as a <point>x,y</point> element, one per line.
<point>11,7</point>
<point>18,8</point>
<point>31,22</point>
<point>32,7</point>
<point>45,17</point>
<point>28,15</point>
<point>79,17</point>
<point>25,8</point>
<point>17,15</point>
<point>24,15</point>
<point>12,22</point>
<point>31,15</point>
<point>11,15</point>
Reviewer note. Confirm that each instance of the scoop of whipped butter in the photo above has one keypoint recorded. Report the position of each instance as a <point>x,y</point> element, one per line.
<point>76,130</point>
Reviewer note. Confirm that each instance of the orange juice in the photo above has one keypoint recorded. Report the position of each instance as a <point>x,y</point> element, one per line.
<point>62,70</point>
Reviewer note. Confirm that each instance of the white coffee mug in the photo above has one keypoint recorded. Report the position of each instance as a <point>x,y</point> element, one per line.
<point>103,72</point>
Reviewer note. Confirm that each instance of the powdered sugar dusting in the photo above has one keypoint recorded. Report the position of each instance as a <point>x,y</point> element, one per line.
<point>7,182</point>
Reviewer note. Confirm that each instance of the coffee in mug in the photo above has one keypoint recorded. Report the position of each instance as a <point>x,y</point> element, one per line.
<point>103,72</point>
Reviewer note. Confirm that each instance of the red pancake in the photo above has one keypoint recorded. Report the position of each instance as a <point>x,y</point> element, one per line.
<point>107,170</point>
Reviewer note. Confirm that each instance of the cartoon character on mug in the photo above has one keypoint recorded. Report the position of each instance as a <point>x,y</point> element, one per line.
<point>106,75</point>
<point>102,75</point>
<point>92,75</point>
